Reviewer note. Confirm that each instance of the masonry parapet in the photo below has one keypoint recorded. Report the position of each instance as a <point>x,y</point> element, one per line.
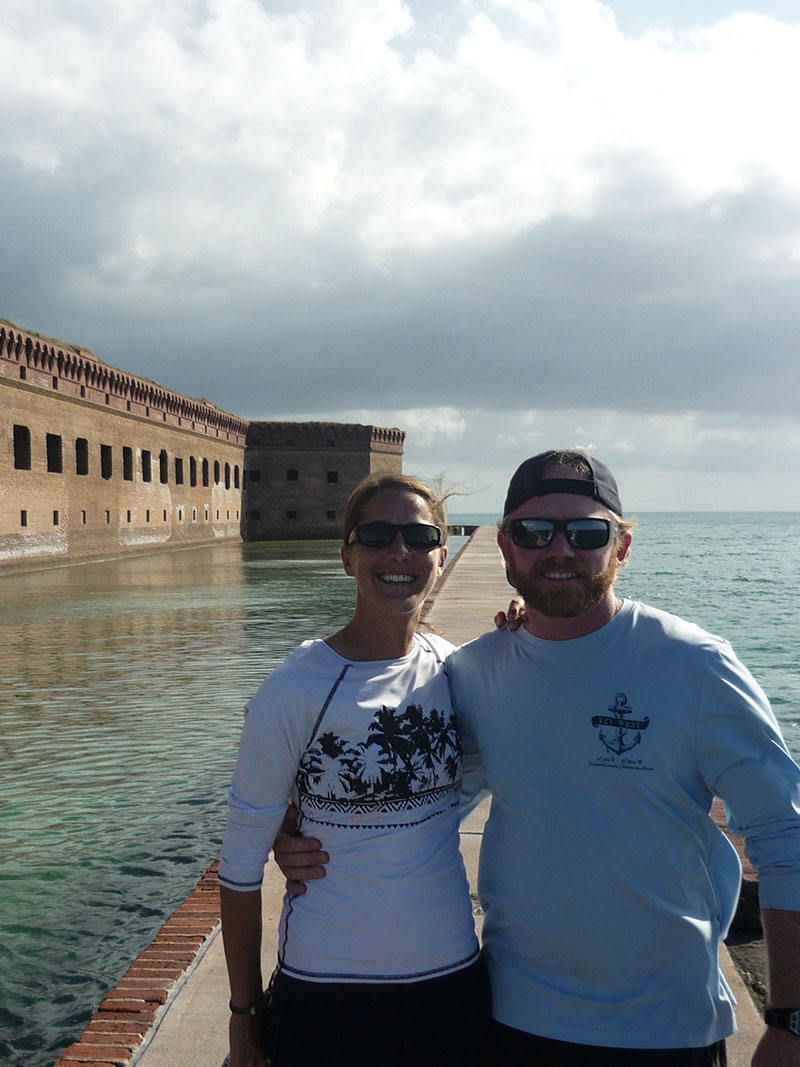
<point>355,436</point>
<point>77,372</point>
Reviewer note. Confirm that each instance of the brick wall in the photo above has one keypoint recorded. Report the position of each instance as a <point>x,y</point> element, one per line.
<point>299,475</point>
<point>50,511</point>
<point>96,462</point>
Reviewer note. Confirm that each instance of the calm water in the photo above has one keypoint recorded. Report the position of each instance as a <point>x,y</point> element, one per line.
<point>121,688</point>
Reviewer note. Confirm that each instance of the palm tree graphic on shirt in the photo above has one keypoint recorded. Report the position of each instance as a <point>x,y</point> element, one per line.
<point>406,751</point>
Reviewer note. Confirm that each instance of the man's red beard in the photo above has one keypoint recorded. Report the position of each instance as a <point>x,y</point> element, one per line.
<point>563,599</point>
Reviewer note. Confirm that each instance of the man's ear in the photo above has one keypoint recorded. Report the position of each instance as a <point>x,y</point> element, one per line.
<point>624,547</point>
<point>502,541</point>
<point>344,551</point>
<point>442,557</point>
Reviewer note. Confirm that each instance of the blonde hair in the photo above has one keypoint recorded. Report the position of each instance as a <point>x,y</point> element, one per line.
<point>368,487</point>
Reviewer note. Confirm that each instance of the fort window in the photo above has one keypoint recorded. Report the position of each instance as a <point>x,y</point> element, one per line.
<point>55,454</point>
<point>216,472</point>
<point>55,518</point>
<point>23,373</point>
<point>333,477</point>
<point>108,399</point>
<point>55,382</point>
<point>205,474</point>
<point>165,514</point>
<point>147,466</point>
<point>23,518</point>
<point>163,464</point>
<point>127,463</point>
<point>83,518</point>
<point>147,515</point>
<point>22,448</point>
<point>127,516</point>
<point>108,518</point>
<point>106,461</point>
<point>291,475</point>
<point>180,514</point>
<point>236,476</point>
<point>217,514</point>
<point>227,475</point>
<point>178,471</point>
<point>81,455</point>
<point>83,390</point>
<point>192,471</point>
<point>194,514</point>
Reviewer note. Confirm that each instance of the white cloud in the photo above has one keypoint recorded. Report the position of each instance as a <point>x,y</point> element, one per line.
<point>246,117</point>
<point>428,426</point>
<point>492,205</point>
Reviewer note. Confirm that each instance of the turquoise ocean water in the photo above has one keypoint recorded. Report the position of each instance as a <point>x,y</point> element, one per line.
<point>121,689</point>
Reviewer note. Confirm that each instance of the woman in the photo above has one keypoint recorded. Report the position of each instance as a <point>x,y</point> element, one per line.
<point>379,960</point>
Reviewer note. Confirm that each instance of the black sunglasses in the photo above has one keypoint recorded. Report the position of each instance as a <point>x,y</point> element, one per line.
<point>382,534</point>
<point>580,533</point>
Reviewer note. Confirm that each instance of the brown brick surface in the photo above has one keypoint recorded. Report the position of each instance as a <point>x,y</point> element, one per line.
<point>128,1011</point>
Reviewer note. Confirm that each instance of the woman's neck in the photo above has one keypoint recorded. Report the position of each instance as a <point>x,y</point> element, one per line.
<point>371,639</point>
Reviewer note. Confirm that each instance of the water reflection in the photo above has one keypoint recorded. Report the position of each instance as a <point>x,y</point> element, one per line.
<point>121,689</point>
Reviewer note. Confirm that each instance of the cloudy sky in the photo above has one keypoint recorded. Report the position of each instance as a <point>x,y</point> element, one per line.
<point>503,225</point>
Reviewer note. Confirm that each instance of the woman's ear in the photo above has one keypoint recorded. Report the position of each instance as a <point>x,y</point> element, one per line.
<point>345,554</point>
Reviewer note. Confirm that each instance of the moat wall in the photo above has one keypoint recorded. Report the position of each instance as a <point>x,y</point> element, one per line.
<point>96,462</point>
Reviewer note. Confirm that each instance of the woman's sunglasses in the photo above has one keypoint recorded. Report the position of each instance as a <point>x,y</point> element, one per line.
<point>580,533</point>
<point>382,534</point>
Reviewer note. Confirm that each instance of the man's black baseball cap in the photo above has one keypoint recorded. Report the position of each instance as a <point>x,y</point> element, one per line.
<point>528,482</point>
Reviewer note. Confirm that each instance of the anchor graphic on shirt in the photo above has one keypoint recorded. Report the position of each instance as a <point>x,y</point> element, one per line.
<point>621,741</point>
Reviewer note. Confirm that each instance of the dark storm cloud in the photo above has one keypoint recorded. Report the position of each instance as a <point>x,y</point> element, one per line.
<point>655,314</point>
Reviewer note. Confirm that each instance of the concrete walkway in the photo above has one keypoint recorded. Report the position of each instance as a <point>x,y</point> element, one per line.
<point>190,1030</point>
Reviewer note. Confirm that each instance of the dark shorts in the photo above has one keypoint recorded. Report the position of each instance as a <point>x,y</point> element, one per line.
<point>515,1048</point>
<point>340,1024</point>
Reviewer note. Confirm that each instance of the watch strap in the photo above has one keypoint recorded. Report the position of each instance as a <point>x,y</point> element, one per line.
<point>784,1019</point>
<point>249,1009</point>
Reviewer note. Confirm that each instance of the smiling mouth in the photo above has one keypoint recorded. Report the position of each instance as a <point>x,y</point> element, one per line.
<point>398,579</point>
<point>559,576</point>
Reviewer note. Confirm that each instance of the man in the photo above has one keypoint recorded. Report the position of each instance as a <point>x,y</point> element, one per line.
<point>605,728</point>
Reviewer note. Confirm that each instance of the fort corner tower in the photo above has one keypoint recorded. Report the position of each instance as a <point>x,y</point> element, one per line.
<point>298,475</point>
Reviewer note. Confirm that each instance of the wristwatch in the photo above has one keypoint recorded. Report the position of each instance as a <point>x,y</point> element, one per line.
<point>784,1019</point>
<point>249,1009</point>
